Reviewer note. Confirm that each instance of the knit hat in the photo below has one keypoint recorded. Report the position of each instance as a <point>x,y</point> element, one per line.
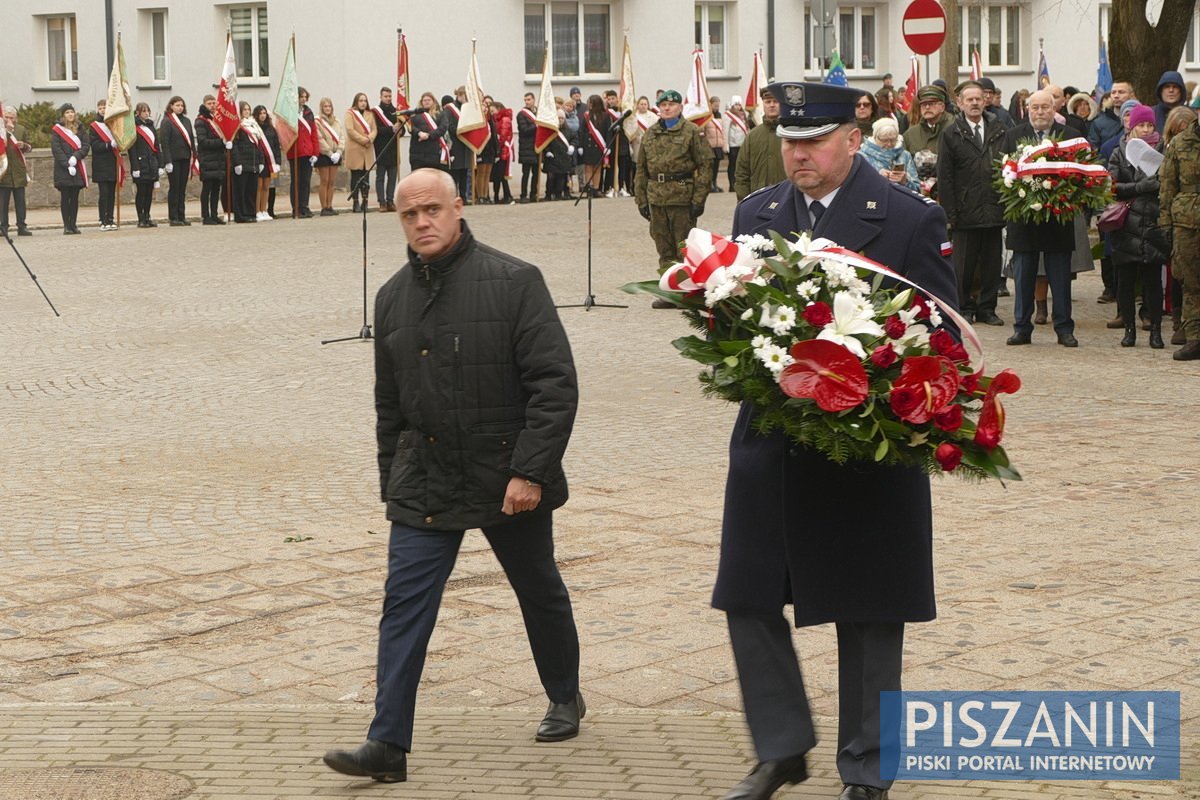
<point>1128,106</point>
<point>735,100</point>
<point>1139,115</point>
<point>64,108</point>
<point>883,126</point>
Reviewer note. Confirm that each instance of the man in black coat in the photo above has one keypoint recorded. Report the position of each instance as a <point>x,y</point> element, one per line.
<point>475,395</point>
<point>796,529</point>
<point>106,156</point>
<point>967,155</point>
<point>1051,242</point>
<point>387,128</point>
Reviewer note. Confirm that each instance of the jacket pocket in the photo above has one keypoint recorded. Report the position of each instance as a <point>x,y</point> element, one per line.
<point>407,476</point>
<point>490,465</point>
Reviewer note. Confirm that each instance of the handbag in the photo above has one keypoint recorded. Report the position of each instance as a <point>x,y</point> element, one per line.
<point>1113,217</point>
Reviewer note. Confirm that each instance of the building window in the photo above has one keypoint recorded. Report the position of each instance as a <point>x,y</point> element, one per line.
<point>158,45</point>
<point>62,49</point>
<point>579,36</point>
<point>249,28</point>
<point>996,31</point>
<point>1191,51</point>
<point>712,34</point>
<point>851,29</point>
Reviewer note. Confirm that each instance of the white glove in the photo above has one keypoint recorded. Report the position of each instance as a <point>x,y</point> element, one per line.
<point>72,161</point>
<point>570,149</point>
<point>312,160</point>
<point>237,170</point>
<point>157,185</point>
<point>336,157</point>
<point>260,169</point>
<point>170,168</point>
<point>137,173</point>
<point>161,172</point>
<point>229,145</point>
<point>71,170</point>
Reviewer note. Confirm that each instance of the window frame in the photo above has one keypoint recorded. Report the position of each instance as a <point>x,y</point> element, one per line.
<point>581,49</point>
<point>812,64</point>
<point>1192,44</point>
<point>70,50</point>
<point>151,15</point>
<point>260,69</point>
<point>702,7</point>
<point>984,43</point>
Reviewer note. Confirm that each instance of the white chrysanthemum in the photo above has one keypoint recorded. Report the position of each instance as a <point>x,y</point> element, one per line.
<point>1036,206</point>
<point>1021,193</point>
<point>779,319</point>
<point>715,292</point>
<point>1046,184</point>
<point>760,341</point>
<point>935,316</point>
<point>808,289</point>
<point>757,243</point>
<point>773,357</point>
<point>844,276</point>
<point>1008,182</point>
<point>747,314</point>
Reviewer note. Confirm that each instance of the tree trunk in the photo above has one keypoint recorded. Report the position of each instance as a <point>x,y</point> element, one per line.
<point>950,54</point>
<point>1139,53</point>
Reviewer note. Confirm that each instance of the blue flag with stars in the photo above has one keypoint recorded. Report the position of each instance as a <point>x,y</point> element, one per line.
<point>837,71</point>
<point>1104,79</point>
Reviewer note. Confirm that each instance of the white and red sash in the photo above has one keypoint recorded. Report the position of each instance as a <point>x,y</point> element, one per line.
<point>337,140</point>
<point>147,134</point>
<point>259,139</point>
<point>594,132</point>
<point>741,123</point>
<point>73,140</point>
<point>362,121</point>
<point>645,119</point>
<point>193,165</point>
<point>530,114</point>
<point>106,134</point>
<point>214,127</point>
<point>612,112</point>
<point>382,116</point>
<point>442,143</point>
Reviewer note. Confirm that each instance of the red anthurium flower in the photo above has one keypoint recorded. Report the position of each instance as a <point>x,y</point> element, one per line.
<point>990,427</point>
<point>925,387</point>
<point>921,306</point>
<point>970,383</point>
<point>944,344</point>
<point>894,327</point>
<point>948,455</point>
<point>884,355</point>
<point>826,372</point>
<point>950,419</point>
<point>817,314</point>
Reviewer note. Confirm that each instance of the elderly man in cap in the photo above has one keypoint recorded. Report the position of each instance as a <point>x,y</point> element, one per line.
<point>787,537</point>
<point>672,180</point>
<point>934,119</point>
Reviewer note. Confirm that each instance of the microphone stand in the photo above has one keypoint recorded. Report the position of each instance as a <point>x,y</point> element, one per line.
<point>13,245</point>
<point>589,300</point>
<point>364,333</point>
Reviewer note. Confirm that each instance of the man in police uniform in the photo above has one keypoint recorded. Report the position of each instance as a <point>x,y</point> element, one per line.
<point>674,173</point>
<point>795,528</point>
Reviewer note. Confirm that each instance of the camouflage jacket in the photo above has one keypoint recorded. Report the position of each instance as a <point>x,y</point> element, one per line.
<point>760,162</point>
<point>674,167</point>
<point>1179,182</point>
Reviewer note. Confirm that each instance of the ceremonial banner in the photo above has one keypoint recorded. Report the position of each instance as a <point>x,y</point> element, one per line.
<point>473,130</point>
<point>286,114</point>
<point>226,113</point>
<point>626,95</point>
<point>758,80</point>
<point>695,104</point>
<point>1104,78</point>
<point>905,101</point>
<point>547,114</point>
<point>3,143</point>
<point>118,106</point>
<point>1043,74</point>
<point>837,71</point>
<point>402,90</point>
<point>976,64</point>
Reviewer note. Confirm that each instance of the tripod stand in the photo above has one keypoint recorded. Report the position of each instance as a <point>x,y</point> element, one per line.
<point>589,300</point>
<point>364,333</point>
<point>13,245</point>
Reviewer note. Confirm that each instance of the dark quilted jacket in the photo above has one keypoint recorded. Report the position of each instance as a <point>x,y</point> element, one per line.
<point>1140,241</point>
<point>474,384</point>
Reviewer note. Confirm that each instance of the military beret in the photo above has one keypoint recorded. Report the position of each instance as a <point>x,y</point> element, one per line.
<point>669,96</point>
<point>809,110</point>
<point>931,93</point>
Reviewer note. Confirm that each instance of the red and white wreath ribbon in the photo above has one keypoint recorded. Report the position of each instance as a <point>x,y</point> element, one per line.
<point>1028,164</point>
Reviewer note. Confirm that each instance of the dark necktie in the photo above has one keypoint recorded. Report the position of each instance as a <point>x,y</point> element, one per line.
<point>979,134</point>
<point>1041,135</point>
<point>817,210</point>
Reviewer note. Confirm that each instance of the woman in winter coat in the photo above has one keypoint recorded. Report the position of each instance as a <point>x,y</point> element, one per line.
<point>714,134</point>
<point>1139,247</point>
<point>884,151</point>
<point>360,148</point>
<point>105,166</point>
<point>177,144</point>
<point>273,158</point>
<point>332,137</point>
<point>866,111</point>
<point>70,150</point>
<point>144,161</point>
<point>248,165</point>
<point>737,127</point>
<point>482,176</point>
<point>593,133</point>
<point>502,122</point>
<point>428,128</point>
<point>210,149</point>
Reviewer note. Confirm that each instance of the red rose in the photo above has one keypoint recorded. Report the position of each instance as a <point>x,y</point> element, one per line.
<point>894,327</point>
<point>948,455</point>
<point>970,383</point>
<point>817,314</point>
<point>932,379</point>
<point>949,419</point>
<point>907,400</point>
<point>884,355</point>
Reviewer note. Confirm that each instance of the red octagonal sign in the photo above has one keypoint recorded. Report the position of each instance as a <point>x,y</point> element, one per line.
<point>924,26</point>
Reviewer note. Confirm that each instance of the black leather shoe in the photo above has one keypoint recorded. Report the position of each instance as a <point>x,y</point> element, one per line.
<point>1068,340</point>
<point>24,232</point>
<point>1019,338</point>
<point>380,761</point>
<point>854,791</point>
<point>989,319</point>
<point>561,721</point>
<point>768,776</point>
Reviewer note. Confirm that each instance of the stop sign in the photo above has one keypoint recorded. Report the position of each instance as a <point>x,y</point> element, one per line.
<point>924,26</point>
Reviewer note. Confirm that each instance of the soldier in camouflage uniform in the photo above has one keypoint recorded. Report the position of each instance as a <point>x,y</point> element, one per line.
<point>1179,203</point>
<point>674,170</point>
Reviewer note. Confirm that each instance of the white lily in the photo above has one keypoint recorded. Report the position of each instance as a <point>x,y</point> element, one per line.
<point>851,317</point>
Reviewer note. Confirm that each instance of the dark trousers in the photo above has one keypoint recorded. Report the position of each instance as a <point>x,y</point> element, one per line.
<point>718,153</point>
<point>419,562</point>
<point>68,206</point>
<point>556,185</point>
<point>500,181</point>
<point>360,185</point>
<point>777,710</point>
<point>301,186</point>
<point>1058,272</point>
<point>977,259</point>
<point>730,170</point>
<point>18,198</point>
<point>1152,293</point>
<point>245,195</point>
<point>462,182</point>
<point>385,178</point>
<point>529,181</point>
<point>177,181</point>
<point>210,197</point>
<point>107,201</point>
<point>142,199</point>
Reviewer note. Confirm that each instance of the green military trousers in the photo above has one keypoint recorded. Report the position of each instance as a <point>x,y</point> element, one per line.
<point>669,226</point>
<point>1185,266</point>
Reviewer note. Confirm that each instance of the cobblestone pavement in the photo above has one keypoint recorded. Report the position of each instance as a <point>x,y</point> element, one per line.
<point>192,551</point>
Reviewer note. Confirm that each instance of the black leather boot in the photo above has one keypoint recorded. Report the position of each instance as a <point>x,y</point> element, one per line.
<point>380,761</point>
<point>1156,340</point>
<point>1130,336</point>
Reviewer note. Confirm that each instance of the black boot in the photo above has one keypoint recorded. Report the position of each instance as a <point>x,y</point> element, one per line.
<point>1156,340</point>
<point>1130,336</point>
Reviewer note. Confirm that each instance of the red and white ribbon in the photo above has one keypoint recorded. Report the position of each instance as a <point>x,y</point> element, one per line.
<point>1028,164</point>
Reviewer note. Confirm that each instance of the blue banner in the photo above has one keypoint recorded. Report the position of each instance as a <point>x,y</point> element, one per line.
<point>1131,736</point>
